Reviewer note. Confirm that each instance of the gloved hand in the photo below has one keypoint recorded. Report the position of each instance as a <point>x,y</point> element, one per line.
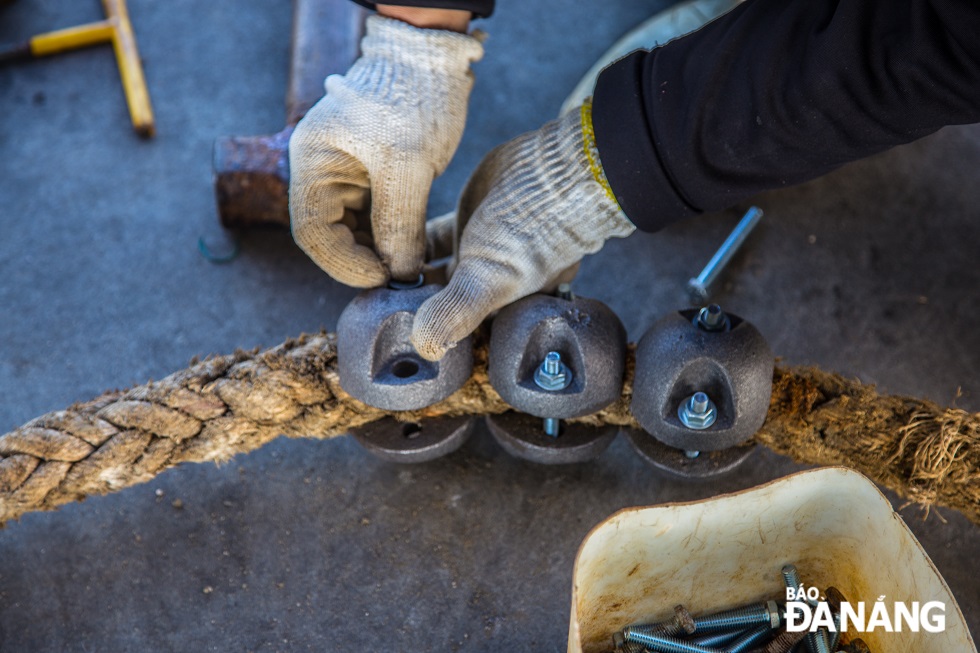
<point>373,145</point>
<point>534,207</point>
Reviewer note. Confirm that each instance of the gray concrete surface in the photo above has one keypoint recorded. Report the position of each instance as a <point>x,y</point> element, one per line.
<point>316,546</point>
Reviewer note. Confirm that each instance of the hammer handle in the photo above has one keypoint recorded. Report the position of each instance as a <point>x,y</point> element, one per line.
<point>251,173</point>
<point>326,40</point>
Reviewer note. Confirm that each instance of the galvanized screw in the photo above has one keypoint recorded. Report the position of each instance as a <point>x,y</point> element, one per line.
<point>818,640</point>
<point>698,286</point>
<point>698,412</point>
<point>791,578</point>
<point>834,638</point>
<point>783,643</point>
<point>751,615</point>
<point>552,376</point>
<point>815,642</point>
<point>834,599</point>
<point>681,622</point>
<point>748,639</point>
<point>717,639</point>
<point>666,643</point>
<point>620,645</point>
<point>712,318</point>
<point>631,647</point>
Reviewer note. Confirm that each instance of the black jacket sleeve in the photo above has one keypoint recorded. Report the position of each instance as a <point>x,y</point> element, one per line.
<point>778,92</point>
<point>480,8</point>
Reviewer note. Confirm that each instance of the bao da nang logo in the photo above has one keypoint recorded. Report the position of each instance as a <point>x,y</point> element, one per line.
<point>805,612</point>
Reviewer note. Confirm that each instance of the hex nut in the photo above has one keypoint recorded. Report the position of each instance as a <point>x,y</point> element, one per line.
<point>376,362</point>
<point>697,417</point>
<point>587,334</point>
<point>675,359</point>
<point>552,381</point>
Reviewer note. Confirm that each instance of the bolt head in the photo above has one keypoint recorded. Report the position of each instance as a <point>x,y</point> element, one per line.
<point>858,646</point>
<point>697,412</point>
<point>684,619</point>
<point>834,598</point>
<point>553,382</point>
<point>618,640</point>
<point>774,617</point>
<point>697,291</point>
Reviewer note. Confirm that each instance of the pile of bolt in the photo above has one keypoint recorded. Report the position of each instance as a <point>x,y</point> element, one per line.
<point>753,628</point>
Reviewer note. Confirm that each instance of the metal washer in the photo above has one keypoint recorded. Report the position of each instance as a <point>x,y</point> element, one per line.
<point>414,442</point>
<point>522,436</point>
<point>675,462</point>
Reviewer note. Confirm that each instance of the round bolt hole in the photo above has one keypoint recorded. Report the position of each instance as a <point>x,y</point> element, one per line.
<point>405,368</point>
<point>411,430</point>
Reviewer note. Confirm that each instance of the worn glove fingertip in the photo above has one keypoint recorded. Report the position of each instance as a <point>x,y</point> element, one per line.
<point>437,326</point>
<point>427,338</point>
<point>452,314</point>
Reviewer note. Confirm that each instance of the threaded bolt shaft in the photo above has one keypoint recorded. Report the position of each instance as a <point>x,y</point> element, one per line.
<point>665,628</point>
<point>699,403</point>
<point>552,362</point>
<point>784,643</point>
<point>552,376</point>
<point>791,577</point>
<point>749,638</point>
<point>681,622</point>
<point>751,615</point>
<point>698,286</point>
<point>818,641</point>
<point>666,643</point>
<point>718,639</point>
<point>834,637</point>
<point>552,426</point>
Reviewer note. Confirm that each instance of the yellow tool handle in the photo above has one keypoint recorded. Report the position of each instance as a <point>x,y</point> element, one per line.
<point>119,31</point>
<point>71,38</point>
<point>130,68</point>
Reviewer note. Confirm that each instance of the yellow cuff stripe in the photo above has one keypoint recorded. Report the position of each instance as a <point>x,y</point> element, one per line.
<point>592,152</point>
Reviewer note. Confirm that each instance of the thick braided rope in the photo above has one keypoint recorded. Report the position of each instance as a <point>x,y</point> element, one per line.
<point>232,404</point>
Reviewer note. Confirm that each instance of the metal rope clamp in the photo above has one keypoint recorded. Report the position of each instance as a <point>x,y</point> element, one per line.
<point>702,388</point>
<point>555,358</point>
<point>377,364</point>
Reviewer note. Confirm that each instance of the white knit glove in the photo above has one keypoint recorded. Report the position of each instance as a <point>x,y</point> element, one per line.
<point>534,207</point>
<point>373,145</point>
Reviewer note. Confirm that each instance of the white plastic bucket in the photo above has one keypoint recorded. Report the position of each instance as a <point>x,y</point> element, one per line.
<point>832,523</point>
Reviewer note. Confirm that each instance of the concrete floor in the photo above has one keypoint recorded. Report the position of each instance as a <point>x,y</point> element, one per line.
<point>305,545</point>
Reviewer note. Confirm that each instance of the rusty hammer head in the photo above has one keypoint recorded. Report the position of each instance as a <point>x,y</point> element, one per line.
<point>251,173</point>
